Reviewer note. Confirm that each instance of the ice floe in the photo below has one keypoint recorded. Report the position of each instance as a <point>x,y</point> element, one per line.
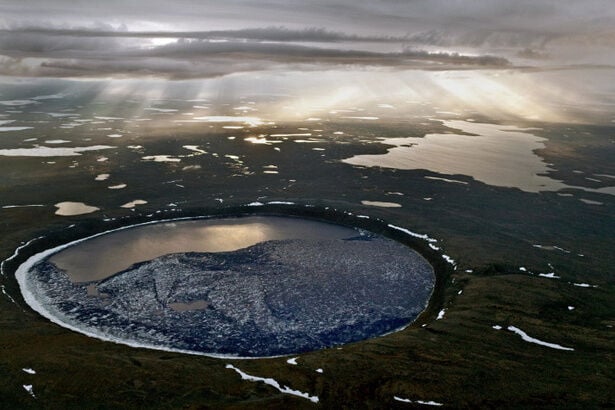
<point>74,208</point>
<point>273,383</point>
<point>42,151</point>
<point>529,339</point>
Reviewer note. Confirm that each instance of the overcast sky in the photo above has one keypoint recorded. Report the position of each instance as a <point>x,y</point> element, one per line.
<point>199,39</point>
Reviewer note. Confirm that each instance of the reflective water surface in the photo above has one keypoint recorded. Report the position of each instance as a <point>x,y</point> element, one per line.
<point>106,255</point>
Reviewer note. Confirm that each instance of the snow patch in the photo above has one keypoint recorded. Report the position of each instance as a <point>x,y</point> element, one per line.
<point>274,383</point>
<point>441,314</point>
<point>414,234</point>
<point>426,403</point>
<point>550,275</point>
<point>29,370</point>
<point>29,389</point>
<point>584,285</point>
<point>118,186</point>
<point>292,361</point>
<point>529,339</point>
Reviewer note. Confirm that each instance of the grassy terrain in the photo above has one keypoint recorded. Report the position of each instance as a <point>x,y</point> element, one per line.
<point>460,360</point>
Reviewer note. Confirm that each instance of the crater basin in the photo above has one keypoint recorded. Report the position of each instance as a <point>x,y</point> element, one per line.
<point>255,286</point>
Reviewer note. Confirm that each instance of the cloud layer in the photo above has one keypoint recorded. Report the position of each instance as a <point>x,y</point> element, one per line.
<point>199,39</point>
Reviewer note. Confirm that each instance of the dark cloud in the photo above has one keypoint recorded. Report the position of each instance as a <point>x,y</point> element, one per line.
<point>272,33</point>
<point>207,37</point>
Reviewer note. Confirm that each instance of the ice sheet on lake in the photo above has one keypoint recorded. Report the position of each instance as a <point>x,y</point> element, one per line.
<point>42,151</point>
<point>529,339</point>
<point>274,383</point>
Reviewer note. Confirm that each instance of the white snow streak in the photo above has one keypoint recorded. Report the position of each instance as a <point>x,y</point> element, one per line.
<point>274,383</point>
<point>29,389</point>
<point>529,339</point>
<point>292,361</point>
<point>29,370</point>
<point>427,403</point>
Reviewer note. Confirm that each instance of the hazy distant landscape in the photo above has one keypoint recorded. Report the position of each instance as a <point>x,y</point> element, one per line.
<point>481,136</point>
